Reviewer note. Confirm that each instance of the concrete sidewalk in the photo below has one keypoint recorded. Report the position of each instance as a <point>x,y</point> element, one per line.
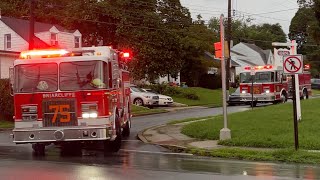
<point>171,136</point>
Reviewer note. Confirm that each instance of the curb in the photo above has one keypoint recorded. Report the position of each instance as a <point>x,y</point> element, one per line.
<point>175,148</point>
<point>138,115</point>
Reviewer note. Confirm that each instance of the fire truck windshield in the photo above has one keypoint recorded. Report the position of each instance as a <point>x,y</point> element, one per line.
<point>83,75</point>
<point>260,77</point>
<point>31,78</point>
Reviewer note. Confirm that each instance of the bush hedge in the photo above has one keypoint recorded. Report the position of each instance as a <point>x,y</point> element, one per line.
<point>6,100</point>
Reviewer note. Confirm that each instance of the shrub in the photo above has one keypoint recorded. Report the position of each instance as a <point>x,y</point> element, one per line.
<point>6,100</point>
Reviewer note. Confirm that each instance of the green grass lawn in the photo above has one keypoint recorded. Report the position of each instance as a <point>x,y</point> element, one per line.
<point>138,110</point>
<point>280,155</point>
<point>315,92</point>
<point>6,125</point>
<point>269,127</point>
<point>208,97</point>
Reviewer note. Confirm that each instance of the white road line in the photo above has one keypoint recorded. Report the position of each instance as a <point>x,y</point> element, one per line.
<point>151,152</point>
<point>133,140</point>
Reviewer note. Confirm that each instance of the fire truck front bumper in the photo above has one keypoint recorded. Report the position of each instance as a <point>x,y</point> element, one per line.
<point>55,134</point>
<point>267,97</point>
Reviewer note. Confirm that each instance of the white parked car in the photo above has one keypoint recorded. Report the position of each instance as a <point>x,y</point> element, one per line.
<point>141,98</point>
<point>163,99</point>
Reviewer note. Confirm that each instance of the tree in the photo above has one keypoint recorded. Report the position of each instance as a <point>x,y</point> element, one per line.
<point>261,35</point>
<point>300,29</point>
<point>197,39</point>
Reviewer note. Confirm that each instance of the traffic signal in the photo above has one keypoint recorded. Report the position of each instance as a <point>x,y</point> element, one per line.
<point>218,49</point>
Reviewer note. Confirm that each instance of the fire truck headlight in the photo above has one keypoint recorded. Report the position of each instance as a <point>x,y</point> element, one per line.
<point>244,91</point>
<point>85,115</point>
<point>93,115</point>
<point>266,91</point>
<point>89,115</point>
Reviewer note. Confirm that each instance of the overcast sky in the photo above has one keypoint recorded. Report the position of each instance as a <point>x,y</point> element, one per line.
<point>261,11</point>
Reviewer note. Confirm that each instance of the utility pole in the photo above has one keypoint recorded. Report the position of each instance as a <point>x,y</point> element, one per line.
<point>31,25</point>
<point>225,133</point>
<point>229,45</point>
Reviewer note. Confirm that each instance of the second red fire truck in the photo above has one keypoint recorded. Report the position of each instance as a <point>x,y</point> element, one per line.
<point>71,97</point>
<point>270,85</point>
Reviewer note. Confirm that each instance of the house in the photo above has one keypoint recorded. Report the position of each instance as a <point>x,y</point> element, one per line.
<point>233,65</point>
<point>246,54</point>
<point>14,37</point>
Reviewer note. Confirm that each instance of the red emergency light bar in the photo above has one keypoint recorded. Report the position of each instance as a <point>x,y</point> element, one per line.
<point>307,67</point>
<point>258,67</point>
<point>126,55</point>
<point>56,52</point>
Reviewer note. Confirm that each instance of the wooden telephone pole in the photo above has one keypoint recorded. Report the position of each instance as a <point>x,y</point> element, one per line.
<point>229,37</point>
<point>31,25</point>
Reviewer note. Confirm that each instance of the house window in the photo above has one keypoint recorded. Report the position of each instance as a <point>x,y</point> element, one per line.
<point>54,39</point>
<point>7,41</point>
<point>76,41</point>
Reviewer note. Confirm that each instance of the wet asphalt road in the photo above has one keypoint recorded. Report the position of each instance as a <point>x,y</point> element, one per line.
<point>137,160</point>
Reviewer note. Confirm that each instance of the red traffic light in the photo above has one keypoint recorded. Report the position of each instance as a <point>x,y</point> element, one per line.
<point>217,46</point>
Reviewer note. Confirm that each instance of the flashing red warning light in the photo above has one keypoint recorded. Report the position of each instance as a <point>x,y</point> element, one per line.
<point>247,68</point>
<point>126,55</point>
<point>258,67</point>
<point>307,66</point>
<point>48,53</point>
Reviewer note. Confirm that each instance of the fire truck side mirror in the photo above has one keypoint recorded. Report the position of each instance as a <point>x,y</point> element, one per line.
<point>11,77</point>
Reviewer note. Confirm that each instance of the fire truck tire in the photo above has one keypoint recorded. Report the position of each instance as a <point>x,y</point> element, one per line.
<point>115,145</point>
<point>138,102</point>
<point>126,130</point>
<point>39,149</point>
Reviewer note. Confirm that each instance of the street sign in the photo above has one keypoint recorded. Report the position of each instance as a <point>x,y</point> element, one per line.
<point>293,64</point>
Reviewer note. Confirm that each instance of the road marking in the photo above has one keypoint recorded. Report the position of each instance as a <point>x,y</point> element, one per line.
<point>132,140</point>
<point>152,152</point>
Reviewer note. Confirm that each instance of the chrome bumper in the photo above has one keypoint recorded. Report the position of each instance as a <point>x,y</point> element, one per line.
<point>56,134</point>
<point>258,98</point>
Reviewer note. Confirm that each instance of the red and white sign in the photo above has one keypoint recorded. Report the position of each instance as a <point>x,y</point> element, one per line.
<point>293,64</point>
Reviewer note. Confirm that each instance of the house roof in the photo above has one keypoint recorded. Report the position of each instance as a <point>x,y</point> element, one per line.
<point>237,53</point>
<point>267,54</point>
<point>248,62</point>
<point>21,27</point>
<point>258,50</point>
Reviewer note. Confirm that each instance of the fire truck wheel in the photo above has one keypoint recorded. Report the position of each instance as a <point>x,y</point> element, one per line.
<point>114,146</point>
<point>39,149</point>
<point>126,130</point>
<point>138,102</point>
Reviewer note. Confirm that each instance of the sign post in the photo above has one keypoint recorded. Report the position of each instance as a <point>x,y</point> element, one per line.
<point>252,73</point>
<point>225,133</point>
<point>293,65</point>
<point>293,51</point>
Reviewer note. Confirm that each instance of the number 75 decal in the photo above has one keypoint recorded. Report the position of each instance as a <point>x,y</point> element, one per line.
<point>63,110</point>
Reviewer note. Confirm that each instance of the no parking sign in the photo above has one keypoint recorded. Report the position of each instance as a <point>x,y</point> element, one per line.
<point>293,64</point>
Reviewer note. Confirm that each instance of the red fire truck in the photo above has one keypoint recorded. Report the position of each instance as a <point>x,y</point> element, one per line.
<point>270,85</point>
<point>73,96</point>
